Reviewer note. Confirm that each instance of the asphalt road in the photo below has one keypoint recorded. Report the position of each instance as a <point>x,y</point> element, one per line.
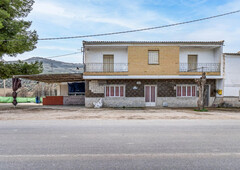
<point>120,144</point>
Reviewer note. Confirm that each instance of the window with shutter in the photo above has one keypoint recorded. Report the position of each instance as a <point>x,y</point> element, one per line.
<point>186,91</point>
<point>114,91</point>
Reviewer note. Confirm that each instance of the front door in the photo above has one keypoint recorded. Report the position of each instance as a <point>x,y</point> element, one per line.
<point>150,95</point>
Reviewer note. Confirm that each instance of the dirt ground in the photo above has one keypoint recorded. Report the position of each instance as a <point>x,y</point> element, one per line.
<point>39,112</point>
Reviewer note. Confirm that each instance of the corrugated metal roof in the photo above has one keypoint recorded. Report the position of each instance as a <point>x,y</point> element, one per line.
<point>155,42</point>
<point>232,53</point>
<point>53,78</point>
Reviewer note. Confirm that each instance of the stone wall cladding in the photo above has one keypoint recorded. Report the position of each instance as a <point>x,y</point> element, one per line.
<point>117,102</point>
<point>227,102</point>
<point>232,101</point>
<point>180,101</point>
<point>140,101</point>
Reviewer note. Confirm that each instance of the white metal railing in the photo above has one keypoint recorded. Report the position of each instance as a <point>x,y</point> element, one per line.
<point>199,67</point>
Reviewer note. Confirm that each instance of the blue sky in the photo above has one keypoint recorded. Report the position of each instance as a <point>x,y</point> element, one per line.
<point>54,18</point>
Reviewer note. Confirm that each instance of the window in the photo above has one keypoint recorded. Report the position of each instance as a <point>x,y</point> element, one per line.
<point>76,88</point>
<point>114,91</point>
<point>186,91</point>
<point>153,57</point>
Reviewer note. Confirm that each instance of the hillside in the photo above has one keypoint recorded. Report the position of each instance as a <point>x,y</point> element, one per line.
<point>53,66</point>
<point>49,67</point>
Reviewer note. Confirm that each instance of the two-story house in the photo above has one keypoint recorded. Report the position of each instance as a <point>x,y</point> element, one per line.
<point>151,73</point>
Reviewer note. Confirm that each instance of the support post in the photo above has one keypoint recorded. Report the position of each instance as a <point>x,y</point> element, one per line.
<point>4,87</point>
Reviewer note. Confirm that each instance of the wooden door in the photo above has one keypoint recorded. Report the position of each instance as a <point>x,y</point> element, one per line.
<point>192,63</point>
<point>108,63</point>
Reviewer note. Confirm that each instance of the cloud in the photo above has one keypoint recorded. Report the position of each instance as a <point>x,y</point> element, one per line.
<point>127,15</point>
<point>57,18</point>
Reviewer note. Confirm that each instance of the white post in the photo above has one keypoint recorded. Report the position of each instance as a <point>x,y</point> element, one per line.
<point>4,87</point>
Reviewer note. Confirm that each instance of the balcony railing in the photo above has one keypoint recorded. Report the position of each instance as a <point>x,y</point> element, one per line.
<point>200,67</point>
<point>106,68</point>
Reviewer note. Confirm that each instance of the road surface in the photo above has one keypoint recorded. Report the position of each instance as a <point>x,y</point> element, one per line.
<point>120,144</point>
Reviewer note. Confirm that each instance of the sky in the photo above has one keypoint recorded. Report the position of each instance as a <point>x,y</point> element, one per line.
<point>57,18</point>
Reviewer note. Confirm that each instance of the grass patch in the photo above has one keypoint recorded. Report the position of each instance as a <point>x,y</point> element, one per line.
<point>203,110</point>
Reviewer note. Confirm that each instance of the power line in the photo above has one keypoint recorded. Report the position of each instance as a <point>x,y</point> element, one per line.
<point>143,29</point>
<point>131,31</point>
<point>62,55</point>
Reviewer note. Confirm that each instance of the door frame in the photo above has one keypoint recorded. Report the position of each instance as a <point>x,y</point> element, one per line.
<point>150,104</point>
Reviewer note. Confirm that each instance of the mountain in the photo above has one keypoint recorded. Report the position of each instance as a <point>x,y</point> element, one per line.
<point>53,66</point>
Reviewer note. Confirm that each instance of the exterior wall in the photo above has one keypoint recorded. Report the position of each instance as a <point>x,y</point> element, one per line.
<point>63,89</point>
<point>140,101</point>
<point>180,101</point>
<point>205,55</point>
<point>231,82</point>
<point>95,55</point>
<point>232,78</point>
<point>74,100</point>
<point>168,60</point>
<point>117,102</point>
<point>135,97</point>
<point>231,101</point>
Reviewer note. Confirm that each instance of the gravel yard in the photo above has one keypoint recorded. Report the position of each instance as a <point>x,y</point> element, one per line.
<point>39,112</point>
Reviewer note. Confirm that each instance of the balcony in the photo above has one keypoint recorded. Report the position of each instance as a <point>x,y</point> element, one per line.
<point>106,68</point>
<point>200,67</point>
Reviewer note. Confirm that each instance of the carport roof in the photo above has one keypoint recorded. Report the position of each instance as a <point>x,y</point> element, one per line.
<point>53,78</point>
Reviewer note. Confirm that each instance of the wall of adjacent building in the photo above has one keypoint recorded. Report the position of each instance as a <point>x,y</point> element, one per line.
<point>232,76</point>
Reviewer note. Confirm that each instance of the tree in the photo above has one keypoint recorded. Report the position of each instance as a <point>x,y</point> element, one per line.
<point>15,36</point>
<point>20,68</point>
<point>201,86</point>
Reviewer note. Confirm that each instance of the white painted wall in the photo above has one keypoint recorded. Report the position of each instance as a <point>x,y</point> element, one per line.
<point>63,89</point>
<point>95,55</point>
<point>205,55</point>
<point>232,75</point>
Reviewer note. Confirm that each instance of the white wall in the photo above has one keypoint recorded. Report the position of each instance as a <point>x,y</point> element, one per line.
<point>63,89</point>
<point>205,55</point>
<point>95,54</point>
<point>232,75</point>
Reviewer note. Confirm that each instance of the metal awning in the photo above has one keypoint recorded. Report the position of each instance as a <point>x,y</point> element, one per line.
<point>53,78</point>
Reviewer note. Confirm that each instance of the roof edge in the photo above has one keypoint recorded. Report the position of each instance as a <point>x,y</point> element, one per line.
<point>153,42</point>
<point>231,54</point>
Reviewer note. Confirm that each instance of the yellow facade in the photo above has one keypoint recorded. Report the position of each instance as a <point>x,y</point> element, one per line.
<point>138,60</point>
